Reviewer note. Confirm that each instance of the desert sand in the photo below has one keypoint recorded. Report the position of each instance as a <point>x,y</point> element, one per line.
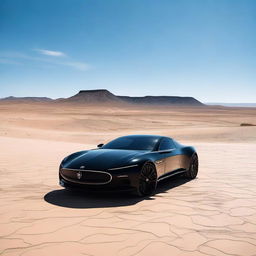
<point>214,214</point>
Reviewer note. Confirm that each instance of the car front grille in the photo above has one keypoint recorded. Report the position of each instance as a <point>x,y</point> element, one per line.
<point>91,177</point>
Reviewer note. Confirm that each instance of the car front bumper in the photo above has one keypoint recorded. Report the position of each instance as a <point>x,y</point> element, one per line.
<point>119,180</point>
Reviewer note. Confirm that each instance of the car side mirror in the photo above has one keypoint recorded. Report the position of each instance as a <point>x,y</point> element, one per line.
<point>100,145</point>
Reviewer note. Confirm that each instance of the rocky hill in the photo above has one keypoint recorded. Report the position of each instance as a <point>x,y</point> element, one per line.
<point>102,96</point>
<point>162,100</point>
<point>25,99</point>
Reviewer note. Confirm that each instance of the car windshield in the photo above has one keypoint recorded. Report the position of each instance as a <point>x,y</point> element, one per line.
<point>132,143</point>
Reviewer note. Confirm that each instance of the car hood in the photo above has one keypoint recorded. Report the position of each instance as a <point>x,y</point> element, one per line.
<point>103,159</point>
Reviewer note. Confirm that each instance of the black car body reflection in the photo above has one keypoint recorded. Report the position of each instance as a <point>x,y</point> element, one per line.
<point>134,162</point>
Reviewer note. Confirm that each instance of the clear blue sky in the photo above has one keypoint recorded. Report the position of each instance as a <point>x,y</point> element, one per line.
<point>200,48</point>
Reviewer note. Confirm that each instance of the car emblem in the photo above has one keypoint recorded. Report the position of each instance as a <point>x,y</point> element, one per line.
<point>79,175</point>
<point>82,167</point>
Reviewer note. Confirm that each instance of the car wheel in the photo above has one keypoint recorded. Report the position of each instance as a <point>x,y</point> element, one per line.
<point>147,180</point>
<point>193,167</point>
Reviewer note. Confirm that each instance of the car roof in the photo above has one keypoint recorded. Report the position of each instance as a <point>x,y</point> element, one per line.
<point>144,136</point>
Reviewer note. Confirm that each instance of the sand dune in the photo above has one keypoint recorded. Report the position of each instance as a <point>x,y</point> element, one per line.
<point>214,214</point>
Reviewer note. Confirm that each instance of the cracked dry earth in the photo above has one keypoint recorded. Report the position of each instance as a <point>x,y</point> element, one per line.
<point>214,214</point>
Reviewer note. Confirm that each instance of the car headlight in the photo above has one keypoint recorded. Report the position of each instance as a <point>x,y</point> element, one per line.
<point>64,159</point>
<point>123,167</point>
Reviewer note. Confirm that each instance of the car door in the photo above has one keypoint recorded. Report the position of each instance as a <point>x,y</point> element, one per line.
<point>172,158</point>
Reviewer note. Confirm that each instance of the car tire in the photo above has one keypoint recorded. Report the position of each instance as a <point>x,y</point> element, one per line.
<point>193,167</point>
<point>147,180</point>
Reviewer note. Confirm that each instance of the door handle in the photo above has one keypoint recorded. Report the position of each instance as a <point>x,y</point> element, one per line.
<point>166,151</point>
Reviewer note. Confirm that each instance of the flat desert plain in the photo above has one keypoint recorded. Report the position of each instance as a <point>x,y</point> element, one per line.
<point>215,214</point>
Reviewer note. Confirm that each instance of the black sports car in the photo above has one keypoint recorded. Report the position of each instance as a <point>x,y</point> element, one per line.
<point>134,162</point>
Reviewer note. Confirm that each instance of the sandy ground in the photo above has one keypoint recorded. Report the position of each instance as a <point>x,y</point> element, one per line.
<point>99,124</point>
<point>214,214</point>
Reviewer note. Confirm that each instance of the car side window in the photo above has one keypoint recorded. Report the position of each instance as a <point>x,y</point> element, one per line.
<point>166,144</point>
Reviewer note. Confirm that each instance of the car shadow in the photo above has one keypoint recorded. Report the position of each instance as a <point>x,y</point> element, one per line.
<point>86,200</point>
